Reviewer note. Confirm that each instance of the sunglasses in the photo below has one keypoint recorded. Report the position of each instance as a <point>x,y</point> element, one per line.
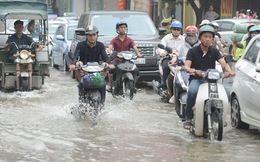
<point>176,29</point>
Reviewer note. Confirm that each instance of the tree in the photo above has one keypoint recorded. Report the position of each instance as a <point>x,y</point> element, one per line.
<point>199,10</point>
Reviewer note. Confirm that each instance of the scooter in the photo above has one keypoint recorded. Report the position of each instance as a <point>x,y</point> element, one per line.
<point>211,106</point>
<point>90,99</point>
<point>168,92</point>
<point>24,67</point>
<point>180,84</point>
<point>124,83</point>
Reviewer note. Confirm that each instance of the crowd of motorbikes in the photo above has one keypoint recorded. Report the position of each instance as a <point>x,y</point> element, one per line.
<point>211,103</point>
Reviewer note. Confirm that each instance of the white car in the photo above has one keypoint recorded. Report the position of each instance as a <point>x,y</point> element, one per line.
<point>245,104</point>
<point>61,44</point>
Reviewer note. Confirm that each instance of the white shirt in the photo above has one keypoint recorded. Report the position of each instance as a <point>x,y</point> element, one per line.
<point>183,49</point>
<point>170,41</point>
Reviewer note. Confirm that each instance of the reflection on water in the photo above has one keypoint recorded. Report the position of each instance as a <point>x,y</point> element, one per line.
<point>38,126</point>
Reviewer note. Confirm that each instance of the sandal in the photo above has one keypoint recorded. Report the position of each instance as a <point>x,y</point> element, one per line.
<point>187,125</point>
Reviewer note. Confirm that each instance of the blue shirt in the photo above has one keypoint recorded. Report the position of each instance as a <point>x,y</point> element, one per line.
<point>24,40</point>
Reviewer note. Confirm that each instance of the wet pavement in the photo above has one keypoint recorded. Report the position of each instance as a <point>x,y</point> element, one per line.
<point>38,126</point>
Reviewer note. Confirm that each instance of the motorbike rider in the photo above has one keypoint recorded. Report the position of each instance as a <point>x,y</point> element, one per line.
<point>201,57</point>
<point>121,43</point>
<point>19,38</point>
<point>216,39</point>
<point>252,32</point>
<point>173,40</point>
<point>91,50</point>
<point>191,40</point>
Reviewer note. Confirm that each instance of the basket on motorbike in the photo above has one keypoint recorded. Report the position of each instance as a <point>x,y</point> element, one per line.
<point>93,80</point>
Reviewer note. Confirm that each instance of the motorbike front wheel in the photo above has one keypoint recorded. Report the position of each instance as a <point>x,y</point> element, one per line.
<point>129,85</point>
<point>24,84</point>
<point>217,125</point>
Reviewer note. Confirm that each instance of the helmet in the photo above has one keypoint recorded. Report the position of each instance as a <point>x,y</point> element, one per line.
<point>249,26</point>
<point>121,23</point>
<point>191,29</point>
<point>176,24</point>
<point>206,28</point>
<point>215,24</point>
<point>248,11</point>
<point>254,28</point>
<point>204,22</point>
<point>166,21</point>
<point>91,29</point>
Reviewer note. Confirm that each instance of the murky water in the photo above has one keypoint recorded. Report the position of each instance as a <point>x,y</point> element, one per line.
<point>38,126</point>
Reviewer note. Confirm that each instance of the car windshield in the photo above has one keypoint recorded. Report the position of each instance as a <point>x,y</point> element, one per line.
<point>137,24</point>
<point>52,27</point>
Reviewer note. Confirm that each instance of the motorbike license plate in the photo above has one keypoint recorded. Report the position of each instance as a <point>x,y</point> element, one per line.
<point>139,61</point>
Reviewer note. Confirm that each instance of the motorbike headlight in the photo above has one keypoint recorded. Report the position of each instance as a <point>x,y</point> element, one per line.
<point>24,54</point>
<point>213,75</point>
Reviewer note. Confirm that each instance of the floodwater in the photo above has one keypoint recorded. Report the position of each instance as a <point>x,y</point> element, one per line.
<point>37,126</point>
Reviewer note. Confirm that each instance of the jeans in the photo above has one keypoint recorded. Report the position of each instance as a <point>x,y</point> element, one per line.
<point>192,93</point>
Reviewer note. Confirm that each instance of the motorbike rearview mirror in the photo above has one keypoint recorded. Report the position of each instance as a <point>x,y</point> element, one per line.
<point>168,49</point>
<point>80,31</point>
<point>161,46</point>
<point>71,56</point>
<point>239,45</point>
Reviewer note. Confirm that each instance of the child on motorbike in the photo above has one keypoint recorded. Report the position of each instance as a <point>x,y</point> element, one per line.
<point>91,50</point>
<point>201,57</point>
<point>121,43</point>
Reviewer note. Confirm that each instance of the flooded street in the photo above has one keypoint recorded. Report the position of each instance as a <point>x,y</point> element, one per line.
<point>37,126</point>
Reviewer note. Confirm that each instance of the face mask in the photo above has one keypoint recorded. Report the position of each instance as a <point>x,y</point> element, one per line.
<point>191,40</point>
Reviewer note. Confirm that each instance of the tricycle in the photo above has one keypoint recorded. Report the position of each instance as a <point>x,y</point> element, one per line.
<point>31,65</point>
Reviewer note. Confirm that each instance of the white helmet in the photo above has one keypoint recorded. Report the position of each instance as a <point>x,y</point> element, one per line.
<point>215,24</point>
<point>204,22</point>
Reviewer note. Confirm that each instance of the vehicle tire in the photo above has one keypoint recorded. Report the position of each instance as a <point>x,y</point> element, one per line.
<point>65,66</point>
<point>235,115</point>
<point>217,125</point>
<point>177,103</point>
<point>95,112</point>
<point>131,89</point>
<point>24,84</point>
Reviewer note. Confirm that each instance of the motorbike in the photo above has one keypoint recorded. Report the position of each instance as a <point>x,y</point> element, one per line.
<point>90,101</point>
<point>180,84</point>
<point>211,106</point>
<point>168,92</point>
<point>23,66</point>
<point>124,83</point>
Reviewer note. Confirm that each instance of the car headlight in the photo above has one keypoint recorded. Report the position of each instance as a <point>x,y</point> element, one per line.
<point>24,54</point>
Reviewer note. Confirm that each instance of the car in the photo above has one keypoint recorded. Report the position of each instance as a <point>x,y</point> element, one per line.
<point>245,107</point>
<point>61,44</point>
<point>140,28</point>
<point>226,28</point>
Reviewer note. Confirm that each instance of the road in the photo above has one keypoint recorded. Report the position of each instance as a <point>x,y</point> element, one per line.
<point>37,126</point>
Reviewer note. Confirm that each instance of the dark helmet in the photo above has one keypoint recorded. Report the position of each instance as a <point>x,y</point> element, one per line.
<point>206,28</point>
<point>18,22</point>
<point>91,29</point>
<point>121,23</point>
